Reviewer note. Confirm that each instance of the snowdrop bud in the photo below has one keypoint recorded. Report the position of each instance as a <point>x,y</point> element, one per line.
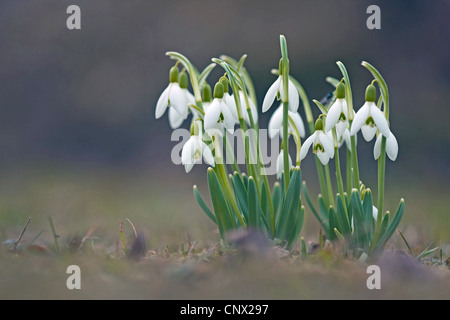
<point>340,91</point>
<point>319,125</point>
<point>224,83</point>
<point>218,90</point>
<point>206,93</point>
<point>173,75</point>
<point>183,80</point>
<point>371,93</point>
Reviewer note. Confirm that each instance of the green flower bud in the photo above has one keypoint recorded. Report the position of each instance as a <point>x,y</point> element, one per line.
<point>319,124</point>
<point>340,91</point>
<point>183,80</point>
<point>218,90</point>
<point>206,93</point>
<point>225,85</point>
<point>173,75</point>
<point>371,93</point>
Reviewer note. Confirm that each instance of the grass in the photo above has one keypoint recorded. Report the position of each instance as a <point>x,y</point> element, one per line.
<point>183,259</point>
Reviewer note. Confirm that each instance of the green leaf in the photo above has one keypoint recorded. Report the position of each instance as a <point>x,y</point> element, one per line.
<point>321,107</point>
<point>296,227</point>
<point>333,81</point>
<point>203,205</point>
<point>253,204</point>
<point>310,204</point>
<point>332,224</point>
<point>344,220</point>
<point>392,226</point>
<point>323,208</point>
<point>205,73</point>
<point>276,197</point>
<point>426,252</point>
<point>219,203</point>
<point>360,232</point>
<point>240,192</point>
<point>369,221</point>
<point>407,244</point>
<point>290,205</point>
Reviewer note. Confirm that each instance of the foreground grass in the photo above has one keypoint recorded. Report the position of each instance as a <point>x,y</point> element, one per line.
<point>181,259</point>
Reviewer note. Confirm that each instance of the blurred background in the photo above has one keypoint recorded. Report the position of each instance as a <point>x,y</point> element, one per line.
<point>78,136</point>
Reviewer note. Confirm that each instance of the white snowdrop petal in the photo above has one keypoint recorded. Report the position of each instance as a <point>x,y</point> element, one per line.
<point>294,99</point>
<point>212,115</point>
<point>229,100</point>
<point>368,132</point>
<point>187,153</point>
<point>392,147</point>
<point>306,145</point>
<point>227,115</point>
<point>175,119</point>
<point>377,147</point>
<point>323,157</point>
<point>162,103</point>
<point>188,167</point>
<point>333,115</point>
<point>360,118</point>
<point>178,98</point>
<point>375,212</point>
<point>327,143</point>
<point>275,123</point>
<point>298,123</point>
<point>271,95</point>
<point>207,154</point>
<point>380,120</point>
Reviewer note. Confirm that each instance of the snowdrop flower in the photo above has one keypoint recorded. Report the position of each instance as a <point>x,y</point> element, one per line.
<point>229,100</point>
<point>369,118</point>
<point>276,90</point>
<point>276,123</point>
<point>344,138</point>
<point>280,163</point>
<point>218,113</point>
<point>391,147</point>
<point>244,111</point>
<point>321,142</point>
<point>337,114</point>
<point>194,149</point>
<point>177,96</point>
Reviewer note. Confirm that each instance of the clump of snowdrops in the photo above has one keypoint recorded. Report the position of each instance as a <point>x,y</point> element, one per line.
<point>240,191</point>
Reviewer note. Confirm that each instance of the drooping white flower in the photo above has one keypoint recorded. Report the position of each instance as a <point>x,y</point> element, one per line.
<point>369,118</point>
<point>344,138</point>
<point>276,123</point>
<point>194,149</point>
<point>391,147</point>
<point>276,90</point>
<point>177,96</point>
<point>337,115</point>
<point>244,112</point>
<point>280,164</point>
<point>218,113</point>
<point>321,142</point>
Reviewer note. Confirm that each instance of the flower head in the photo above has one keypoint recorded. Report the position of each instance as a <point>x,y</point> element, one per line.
<point>369,118</point>
<point>276,90</point>
<point>321,142</point>
<point>338,113</point>
<point>391,147</point>
<point>194,149</point>
<point>276,123</point>
<point>177,96</point>
<point>218,114</point>
<point>280,163</point>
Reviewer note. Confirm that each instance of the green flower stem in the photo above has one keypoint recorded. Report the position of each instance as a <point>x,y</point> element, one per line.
<point>338,167</point>
<point>285,76</point>
<point>349,99</point>
<point>382,159</point>
<point>381,175</point>
<point>329,186</point>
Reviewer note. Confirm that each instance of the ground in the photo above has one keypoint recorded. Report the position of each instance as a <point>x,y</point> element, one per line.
<point>182,255</point>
